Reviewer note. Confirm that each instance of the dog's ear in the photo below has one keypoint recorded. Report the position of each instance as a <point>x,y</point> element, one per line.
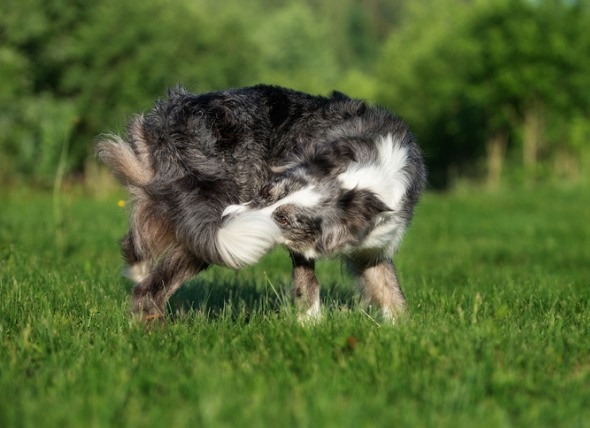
<point>357,210</point>
<point>321,160</point>
<point>329,159</point>
<point>358,207</point>
<point>339,96</point>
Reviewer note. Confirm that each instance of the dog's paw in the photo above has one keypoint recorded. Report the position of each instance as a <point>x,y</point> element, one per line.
<point>391,317</point>
<point>310,316</point>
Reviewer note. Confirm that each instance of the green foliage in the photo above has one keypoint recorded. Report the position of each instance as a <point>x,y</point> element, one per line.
<point>421,77</point>
<point>104,61</point>
<point>121,65</point>
<point>291,49</point>
<point>462,73</point>
<point>497,335</point>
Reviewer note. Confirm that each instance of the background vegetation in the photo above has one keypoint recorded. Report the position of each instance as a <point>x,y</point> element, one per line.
<point>496,91</point>
<point>497,336</point>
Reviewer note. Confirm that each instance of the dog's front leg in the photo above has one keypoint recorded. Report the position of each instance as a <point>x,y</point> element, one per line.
<point>379,285</point>
<point>306,288</point>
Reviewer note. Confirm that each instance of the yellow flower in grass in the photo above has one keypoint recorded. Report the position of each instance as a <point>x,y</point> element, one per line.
<point>121,203</point>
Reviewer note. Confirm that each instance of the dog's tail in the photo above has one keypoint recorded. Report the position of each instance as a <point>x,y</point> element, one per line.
<point>245,237</point>
<point>128,159</point>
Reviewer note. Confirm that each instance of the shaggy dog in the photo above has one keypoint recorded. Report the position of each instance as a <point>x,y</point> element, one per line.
<point>222,177</point>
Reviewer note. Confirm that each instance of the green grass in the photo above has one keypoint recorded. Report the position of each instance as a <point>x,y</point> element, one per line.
<point>498,287</point>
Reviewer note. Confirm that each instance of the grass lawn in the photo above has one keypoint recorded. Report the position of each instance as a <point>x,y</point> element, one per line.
<point>498,287</point>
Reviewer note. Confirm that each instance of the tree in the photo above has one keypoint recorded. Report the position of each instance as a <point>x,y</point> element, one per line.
<point>36,119</point>
<point>126,59</point>
<point>533,65</point>
<point>475,76</point>
<point>292,49</point>
<point>420,75</point>
<point>72,70</point>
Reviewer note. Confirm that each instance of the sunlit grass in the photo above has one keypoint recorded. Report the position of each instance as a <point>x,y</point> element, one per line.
<point>499,298</point>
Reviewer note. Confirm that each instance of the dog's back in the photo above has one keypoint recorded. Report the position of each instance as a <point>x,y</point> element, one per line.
<point>192,155</point>
<point>233,135</point>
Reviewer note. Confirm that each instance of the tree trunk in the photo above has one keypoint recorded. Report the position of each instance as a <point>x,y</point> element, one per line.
<point>496,151</point>
<point>533,128</point>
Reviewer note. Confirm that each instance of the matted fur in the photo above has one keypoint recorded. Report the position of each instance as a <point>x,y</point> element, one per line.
<point>222,177</point>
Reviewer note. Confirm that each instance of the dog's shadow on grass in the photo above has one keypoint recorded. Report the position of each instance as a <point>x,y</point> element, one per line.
<point>242,299</point>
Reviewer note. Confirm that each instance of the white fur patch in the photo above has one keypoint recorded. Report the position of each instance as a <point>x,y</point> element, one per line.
<point>387,235</point>
<point>306,197</point>
<point>250,233</point>
<point>387,316</point>
<point>311,315</point>
<point>245,238</point>
<point>137,272</point>
<point>234,209</point>
<point>385,177</point>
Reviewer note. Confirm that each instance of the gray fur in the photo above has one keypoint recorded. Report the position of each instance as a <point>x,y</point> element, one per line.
<point>192,156</point>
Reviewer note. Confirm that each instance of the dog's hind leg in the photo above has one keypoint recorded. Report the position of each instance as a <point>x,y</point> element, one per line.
<point>151,294</point>
<point>137,268</point>
<point>379,285</point>
<point>306,288</point>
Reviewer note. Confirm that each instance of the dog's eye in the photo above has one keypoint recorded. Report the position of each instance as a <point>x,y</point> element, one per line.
<point>282,220</point>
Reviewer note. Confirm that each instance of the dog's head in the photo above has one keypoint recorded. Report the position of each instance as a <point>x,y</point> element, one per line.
<point>334,199</point>
<point>313,210</point>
